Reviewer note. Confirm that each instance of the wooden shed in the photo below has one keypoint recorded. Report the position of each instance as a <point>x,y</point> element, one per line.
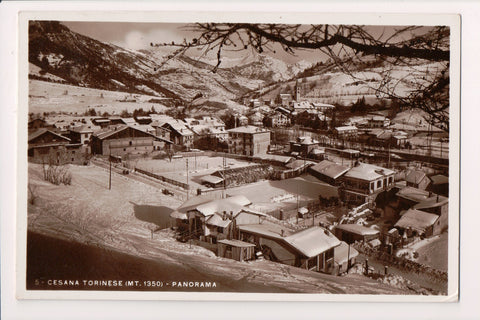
<point>236,249</point>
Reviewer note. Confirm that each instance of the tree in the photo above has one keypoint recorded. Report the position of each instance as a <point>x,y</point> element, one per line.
<point>420,53</point>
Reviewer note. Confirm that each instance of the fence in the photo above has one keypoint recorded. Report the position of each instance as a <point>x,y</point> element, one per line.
<point>164,179</point>
<point>402,263</point>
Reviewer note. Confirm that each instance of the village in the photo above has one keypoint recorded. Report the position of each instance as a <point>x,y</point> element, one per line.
<point>286,181</point>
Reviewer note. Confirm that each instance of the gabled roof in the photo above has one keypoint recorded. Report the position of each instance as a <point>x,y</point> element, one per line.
<point>358,229</point>
<point>309,242</point>
<point>415,176</point>
<point>42,131</point>
<point>313,241</point>
<point>179,126</point>
<point>329,169</point>
<point>365,171</point>
<point>233,204</point>
<point>416,219</point>
<point>105,134</point>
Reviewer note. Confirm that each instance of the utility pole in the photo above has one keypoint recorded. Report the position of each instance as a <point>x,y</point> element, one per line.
<point>187,178</point>
<point>110,174</point>
<point>224,176</point>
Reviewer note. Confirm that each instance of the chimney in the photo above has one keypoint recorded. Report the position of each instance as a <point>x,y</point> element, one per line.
<point>224,217</point>
<point>283,233</point>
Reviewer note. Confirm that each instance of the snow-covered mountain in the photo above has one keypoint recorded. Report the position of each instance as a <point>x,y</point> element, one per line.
<point>83,61</point>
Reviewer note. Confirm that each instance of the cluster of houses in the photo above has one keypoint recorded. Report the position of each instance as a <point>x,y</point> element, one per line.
<point>72,139</point>
<point>242,233</point>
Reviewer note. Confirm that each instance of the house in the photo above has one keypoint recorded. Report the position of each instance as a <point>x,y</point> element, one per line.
<point>38,123</point>
<point>160,131</point>
<point>417,179</point>
<point>419,223</point>
<point>281,117</point>
<point>344,256</point>
<point>180,134</point>
<point>212,181</point>
<point>346,131</point>
<point>311,249</point>
<point>323,107</point>
<point>81,134</point>
<point>207,126</point>
<point>439,184</point>
<point>328,171</point>
<point>101,122</point>
<point>377,121</point>
<point>303,146</point>
<point>285,99</point>
<point>45,146</point>
<point>410,196</point>
<point>248,140</point>
<point>437,205</point>
<point>213,220</point>
<point>123,140</point>
<point>355,232</point>
<point>363,182</point>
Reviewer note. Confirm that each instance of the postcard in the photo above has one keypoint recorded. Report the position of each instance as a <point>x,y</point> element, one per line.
<point>238,156</point>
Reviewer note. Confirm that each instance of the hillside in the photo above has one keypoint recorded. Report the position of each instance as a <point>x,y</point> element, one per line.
<point>111,231</point>
<point>66,56</point>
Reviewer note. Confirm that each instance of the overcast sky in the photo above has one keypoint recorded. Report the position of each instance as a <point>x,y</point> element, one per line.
<point>138,36</point>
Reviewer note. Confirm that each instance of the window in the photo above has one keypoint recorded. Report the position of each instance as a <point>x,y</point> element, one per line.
<point>379,184</point>
<point>130,143</point>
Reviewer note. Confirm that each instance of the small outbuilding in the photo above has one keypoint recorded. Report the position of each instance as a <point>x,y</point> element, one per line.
<point>355,232</point>
<point>417,223</point>
<point>236,250</point>
<point>344,257</point>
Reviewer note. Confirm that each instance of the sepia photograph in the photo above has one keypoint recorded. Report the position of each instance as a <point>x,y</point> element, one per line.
<point>272,156</point>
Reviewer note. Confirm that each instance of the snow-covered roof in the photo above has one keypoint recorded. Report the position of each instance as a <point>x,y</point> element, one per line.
<point>329,169</point>
<point>274,157</point>
<point>414,194</point>
<point>415,176</point>
<point>218,221</point>
<point>313,241</point>
<point>346,128</point>
<point>211,179</point>
<point>432,202</point>
<point>365,171</point>
<point>341,253</point>
<point>236,243</point>
<point>180,127</point>
<point>357,229</point>
<point>42,131</point>
<point>81,129</point>
<point>248,129</point>
<point>309,242</point>
<point>416,219</point>
<point>233,204</point>
<point>439,179</point>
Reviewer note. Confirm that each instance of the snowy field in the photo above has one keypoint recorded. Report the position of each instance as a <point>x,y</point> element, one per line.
<point>87,230</point>
<point>264,193</point>
<point>198,167</point>
<point>49,97</point>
